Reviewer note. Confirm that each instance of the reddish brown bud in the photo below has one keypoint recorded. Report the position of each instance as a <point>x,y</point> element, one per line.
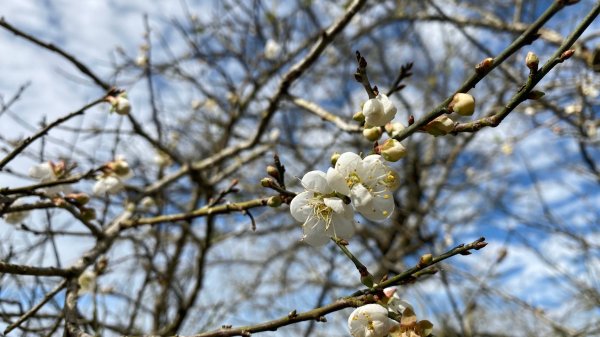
<point>567,54</point>
<point>484,66</point>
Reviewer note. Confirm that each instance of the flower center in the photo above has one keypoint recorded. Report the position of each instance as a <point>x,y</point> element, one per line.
<point>320,210</point>
<point>352,179</point>
<point>390,179</point>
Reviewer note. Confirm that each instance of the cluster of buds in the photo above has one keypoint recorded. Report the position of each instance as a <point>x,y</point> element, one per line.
<point>373,320</point>
<point>276,181</point>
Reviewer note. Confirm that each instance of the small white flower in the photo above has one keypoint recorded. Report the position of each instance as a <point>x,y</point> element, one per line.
<point>44,172</point>
<point>397,305</point>
<point>16,217</point>
<point>370,320</point>
<point>119,104</point>
<point>49,172</point>
<point>141,61</point>
<point>112,177</point>
<point>122,107</point>
<point>573,108</point>
<point>272,50</point>
<point>379,111</point>
<point>323,215</point>
<point>368,182</point>
<point>108,184</point>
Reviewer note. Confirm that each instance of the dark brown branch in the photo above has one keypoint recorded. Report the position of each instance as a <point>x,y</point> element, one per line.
<point>49,46</point>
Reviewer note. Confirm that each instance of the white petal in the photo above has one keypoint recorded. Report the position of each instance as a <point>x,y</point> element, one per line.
<point>336,204</point>
<point>372,170</point>
<point>337,181</point>
<point>360,196</point>
<point>16,217</point>
<point>109,184</point>
<point>347,163</point>
<point>343,226</point>
<point>42,172</point>
<point>389,110</point>
<point>299,206</point>
<point>380,208</point>
<point>373,110</point>
<point>315,233</point>
<point>316,181</point>
<point>370,320</point>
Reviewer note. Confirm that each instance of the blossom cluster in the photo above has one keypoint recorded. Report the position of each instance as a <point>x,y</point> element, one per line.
<point>56,175</point>
<point>326,207</point>
<point>372,320</point>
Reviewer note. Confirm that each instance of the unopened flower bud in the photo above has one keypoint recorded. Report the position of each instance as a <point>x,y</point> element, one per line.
<point>462,104</point>
<point>334,158</point>
<point>567,54</point>
<point>101,265</point>
<point>88,214</point>
<point>373,107</point>
<point>141,61</point>
<point>359,117</point>
<point>367,280</point>
<point>532,61</point>
<point>425,259</point>
<point>147,202</point>
<point>392,150</point>
<point>120,104</point>
<point>274,201</point>
<point>484,66</point>
<point>119,166</point>
<point>442,125</point>
<point>393,129</point>
<point>273,171</point>
<point>266,182</point>
<point>78,198</point>
<point>60,202</point>
<point>373,133</point>
<point>535,94</point>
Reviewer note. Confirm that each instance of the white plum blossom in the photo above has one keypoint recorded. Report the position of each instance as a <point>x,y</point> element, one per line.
<point>272,50</point>
<point>323,214</point>
<point>108,184</point>
<point>397,305</point>
<point>50,172</point>
<point>379,111</point>
<point>119,104</point>
<point>16,217</point>
<point>111,181</point>
<point>369,183</point>
<point>370,320</point>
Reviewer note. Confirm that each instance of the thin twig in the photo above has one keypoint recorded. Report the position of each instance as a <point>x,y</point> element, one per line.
<point>27,141</point>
